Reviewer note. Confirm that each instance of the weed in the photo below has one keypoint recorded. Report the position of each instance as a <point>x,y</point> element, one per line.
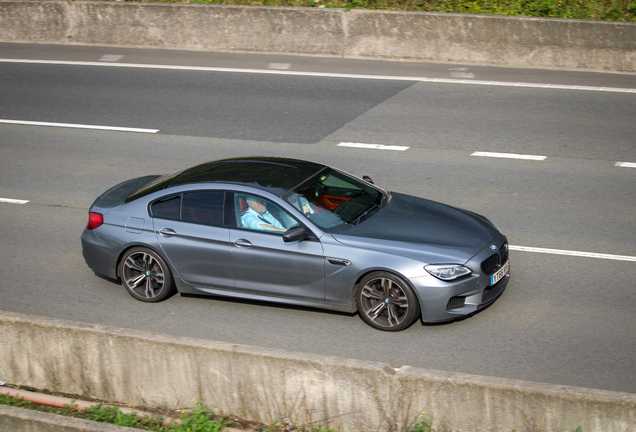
<point>13,401</point>
<point>68,409</point>
<point>200,420</point>
<point>112,415</point>
<point>422,424</point>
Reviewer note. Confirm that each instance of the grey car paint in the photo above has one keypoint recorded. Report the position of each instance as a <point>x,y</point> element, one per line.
<point>323,269</point>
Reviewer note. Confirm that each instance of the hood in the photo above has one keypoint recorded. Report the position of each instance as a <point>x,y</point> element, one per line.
<point>422,229</point>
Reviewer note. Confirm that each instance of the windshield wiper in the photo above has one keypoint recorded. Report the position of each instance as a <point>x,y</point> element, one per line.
<point>357,220</point>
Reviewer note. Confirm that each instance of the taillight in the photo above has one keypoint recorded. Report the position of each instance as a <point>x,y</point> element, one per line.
<point>94,220</point>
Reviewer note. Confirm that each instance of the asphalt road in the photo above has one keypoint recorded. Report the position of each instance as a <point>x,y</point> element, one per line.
<point>564,319</point>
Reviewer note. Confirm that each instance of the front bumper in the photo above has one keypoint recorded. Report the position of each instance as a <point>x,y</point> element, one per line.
<point>446,301</point>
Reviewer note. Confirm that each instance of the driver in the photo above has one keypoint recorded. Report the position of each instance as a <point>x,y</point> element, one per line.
<point>258,218</point>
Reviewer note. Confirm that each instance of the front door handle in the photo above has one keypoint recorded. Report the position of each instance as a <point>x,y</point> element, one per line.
<point>338,261</point>
<point>167,232</point>
<point>243,243</point>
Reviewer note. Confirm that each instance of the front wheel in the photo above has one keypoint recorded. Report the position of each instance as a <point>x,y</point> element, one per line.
<point>145,275</point>
<point>386,302</point>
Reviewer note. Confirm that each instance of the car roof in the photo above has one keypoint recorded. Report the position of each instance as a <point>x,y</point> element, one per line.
<point>273,174</point>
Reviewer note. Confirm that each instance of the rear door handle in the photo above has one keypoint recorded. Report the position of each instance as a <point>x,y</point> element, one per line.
<point>167,232</point>
<point>243,243</point>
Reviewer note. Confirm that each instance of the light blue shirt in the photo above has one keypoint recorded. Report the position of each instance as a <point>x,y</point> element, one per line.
<point>253,220</point>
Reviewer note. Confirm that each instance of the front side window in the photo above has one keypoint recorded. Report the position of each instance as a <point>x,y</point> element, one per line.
<point>258,214</point>
<point>335,201</point>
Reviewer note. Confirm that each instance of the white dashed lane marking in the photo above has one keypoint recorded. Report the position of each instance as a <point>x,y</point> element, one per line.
<point>111,57</point>
<point>373,146</point>
<point>625,164</point>
<point>279,66</point>
<point>13,201</point>
<point>509,156</point>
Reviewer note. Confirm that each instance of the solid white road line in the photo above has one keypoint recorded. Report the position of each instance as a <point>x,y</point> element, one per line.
<point>373,146</point>
<point>626,164</point>
<point>13,201</point>
<point>79,126</point>
<point>573,253</point>
<point>509,156</point>
<point>329,75</point>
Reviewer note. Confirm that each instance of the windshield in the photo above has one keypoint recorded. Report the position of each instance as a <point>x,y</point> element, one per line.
<point>335,201</point>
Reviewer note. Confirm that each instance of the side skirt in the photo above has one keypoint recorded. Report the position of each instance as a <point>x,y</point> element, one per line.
<point>186,288</point>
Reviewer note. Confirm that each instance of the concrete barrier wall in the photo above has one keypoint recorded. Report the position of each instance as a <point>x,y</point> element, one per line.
<point>494,40</point>
<point>458,38</point>
<point>267,385</point>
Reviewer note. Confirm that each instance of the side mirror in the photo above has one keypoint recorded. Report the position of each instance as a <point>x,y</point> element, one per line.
<point>367,179</point>
<point>295,234</point>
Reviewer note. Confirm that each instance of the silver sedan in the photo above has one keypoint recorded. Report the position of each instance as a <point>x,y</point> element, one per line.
<point>296,232</point>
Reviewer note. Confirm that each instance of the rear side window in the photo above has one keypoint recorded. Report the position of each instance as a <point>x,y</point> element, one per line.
<point>167,208</point>
<point>205,207</point>
<point>202,207</point>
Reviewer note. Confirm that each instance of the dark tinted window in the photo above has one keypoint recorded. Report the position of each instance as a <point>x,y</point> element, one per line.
<point>159,183</point>
<point>204,207</point>
<point>117,194</point>
<point>167,208</point>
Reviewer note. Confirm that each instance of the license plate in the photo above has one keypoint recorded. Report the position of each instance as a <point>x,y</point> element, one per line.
<point>500,273</point>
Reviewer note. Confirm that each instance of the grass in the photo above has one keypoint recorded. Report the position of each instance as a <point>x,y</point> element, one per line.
<point>198,419</point>
<point>611,10</point>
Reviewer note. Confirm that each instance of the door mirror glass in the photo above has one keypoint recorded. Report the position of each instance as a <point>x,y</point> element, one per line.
<point>295,234</point>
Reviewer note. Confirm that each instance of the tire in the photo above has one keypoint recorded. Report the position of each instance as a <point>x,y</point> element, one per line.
<point>145,275</point>
<point>386,302</point>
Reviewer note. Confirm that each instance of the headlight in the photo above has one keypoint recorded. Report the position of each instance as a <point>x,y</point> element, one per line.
<point>447,272</point>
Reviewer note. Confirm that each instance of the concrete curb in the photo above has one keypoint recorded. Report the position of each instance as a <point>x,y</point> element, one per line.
<point>24,420</point>
<point>432,37</point>
<point>266,385</point>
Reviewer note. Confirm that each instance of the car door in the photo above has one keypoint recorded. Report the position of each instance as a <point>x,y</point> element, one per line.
<point>266,264</point>
<point>191,231</point>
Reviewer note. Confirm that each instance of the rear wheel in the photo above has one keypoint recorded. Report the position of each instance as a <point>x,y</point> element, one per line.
<point>145,275</point>
<point>386,302</point>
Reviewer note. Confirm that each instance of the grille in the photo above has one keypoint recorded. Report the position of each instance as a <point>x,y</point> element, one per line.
<point>494,261</point>
<point>490,264</point>
<point>456,303</point>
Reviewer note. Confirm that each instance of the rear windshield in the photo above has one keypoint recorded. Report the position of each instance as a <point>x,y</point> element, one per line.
<point>118,194</point>
<point>158,184</point>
